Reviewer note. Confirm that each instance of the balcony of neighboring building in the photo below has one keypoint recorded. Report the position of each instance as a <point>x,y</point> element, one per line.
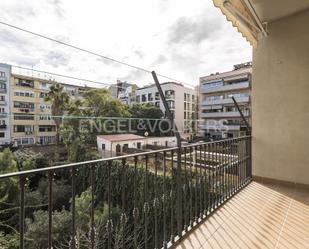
<point>27,83</point>
<point>223,114</point>
<point>3,89</point>
<point>3,126</point>
<point>3,78</point>
<point>3,102</point>
<point>220,127</point>
<point>224,87</point>
<point>225,101</point>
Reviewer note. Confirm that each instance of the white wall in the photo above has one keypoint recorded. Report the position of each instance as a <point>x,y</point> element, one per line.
<point>179,101</point>
<point>280,101</point>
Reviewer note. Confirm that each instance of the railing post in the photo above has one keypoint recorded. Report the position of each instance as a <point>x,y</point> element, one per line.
<point>22,212</point>
<point>179,193</point>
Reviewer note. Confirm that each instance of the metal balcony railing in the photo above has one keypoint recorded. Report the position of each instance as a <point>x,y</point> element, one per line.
<point>160,195</point>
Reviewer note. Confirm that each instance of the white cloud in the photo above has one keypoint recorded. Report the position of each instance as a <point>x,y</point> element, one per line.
<point>179,38</point>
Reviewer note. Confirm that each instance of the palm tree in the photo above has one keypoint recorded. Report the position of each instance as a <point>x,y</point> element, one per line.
<point>60,101</point>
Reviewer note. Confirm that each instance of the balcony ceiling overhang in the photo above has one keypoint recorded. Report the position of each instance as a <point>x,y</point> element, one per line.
<point>250,17</point>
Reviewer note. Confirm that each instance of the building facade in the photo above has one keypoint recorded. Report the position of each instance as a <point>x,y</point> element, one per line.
<point>123,91</point>
<point>5,75</point>
<point>219,117</point>
<point>116,144</point>
<point>30,115</point>
<point>181,100</point>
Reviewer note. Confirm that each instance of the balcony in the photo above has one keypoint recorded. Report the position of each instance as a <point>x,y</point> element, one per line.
<point>263,215</point>
<point>223,115</point>
<point>220,127</point>
<point>232,87</point>
<point>3,90</point>
<point>3,78</point>
<point>239,100</point>
<point>2,102</point>
<point>152,198</point>
<point>170,96</point>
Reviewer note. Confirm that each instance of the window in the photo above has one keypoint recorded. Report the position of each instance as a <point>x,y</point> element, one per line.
<point>18,104</point>
<point>103,146</point>
<point>2,98</point>
<point>150,98</point>
<point>21,116</point>
<point>24,94</point>
<point>23,128</point>
<point>213,84</point>
<point>25,83</point>
<point>157,96</point>
<point>138,98</point>
<point>47,128</point>
<point>170,94</point>
<point>139,145</point>
<point>3,86</point>
<point>144,99</point>
<point>2,74</point>
<point>47,140</point>
<point>24,141</point>
<point>43,95</point>
<point>45,117</point>
<point>2,134</point>
<point>2,110</point>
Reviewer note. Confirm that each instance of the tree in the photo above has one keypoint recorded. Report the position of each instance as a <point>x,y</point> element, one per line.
<point>99,103</point>
<point>60,101</point>
<point>150,115</point>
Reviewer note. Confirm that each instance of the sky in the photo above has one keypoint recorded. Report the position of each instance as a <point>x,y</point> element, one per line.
<point>178,38</point>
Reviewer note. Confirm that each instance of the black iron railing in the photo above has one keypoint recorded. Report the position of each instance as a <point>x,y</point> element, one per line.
<point>149,201</point>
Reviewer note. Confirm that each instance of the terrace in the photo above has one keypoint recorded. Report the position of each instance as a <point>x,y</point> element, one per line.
<point>248,192</point>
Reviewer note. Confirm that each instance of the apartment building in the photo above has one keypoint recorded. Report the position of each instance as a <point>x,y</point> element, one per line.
<point>5,74</point>
<point>219,117</point>
<point>181,101</point>
<point>31,121</point>
<point>123,91</point>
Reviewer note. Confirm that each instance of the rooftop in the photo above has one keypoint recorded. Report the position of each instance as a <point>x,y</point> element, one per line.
<point>121,137</point>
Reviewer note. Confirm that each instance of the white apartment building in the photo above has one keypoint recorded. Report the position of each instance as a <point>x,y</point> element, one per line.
<point>219,117</point>
<point>181,100</point>
<point>5,75</point>
<point>123,91</point>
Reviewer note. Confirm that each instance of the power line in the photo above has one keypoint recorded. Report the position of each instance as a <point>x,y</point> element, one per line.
<point>90,52</point>
<point>69,77</point>
<point>81,79</point>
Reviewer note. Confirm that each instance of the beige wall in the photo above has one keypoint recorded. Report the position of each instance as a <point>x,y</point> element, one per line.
<point>280,98</point>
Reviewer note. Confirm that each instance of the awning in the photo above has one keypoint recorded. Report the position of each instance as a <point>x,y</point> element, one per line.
<point>243,17</point>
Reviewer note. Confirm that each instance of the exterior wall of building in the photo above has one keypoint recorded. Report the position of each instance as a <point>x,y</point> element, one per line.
<point>218,115</point>
<point>104,144</point>
<point>182,102</point>
<point>31,121</point>
<point>5,75</point>
<point>280,101</point>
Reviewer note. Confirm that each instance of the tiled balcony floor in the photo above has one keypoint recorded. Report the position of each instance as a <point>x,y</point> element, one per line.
<point>259,216</point>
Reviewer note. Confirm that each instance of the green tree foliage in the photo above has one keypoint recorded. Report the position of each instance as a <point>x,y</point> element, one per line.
<point>60,100</point>
<point>9,186</point>
<point>149,116</point>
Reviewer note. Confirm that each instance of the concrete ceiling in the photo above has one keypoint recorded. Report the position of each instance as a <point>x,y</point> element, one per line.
<point>271,10</point>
